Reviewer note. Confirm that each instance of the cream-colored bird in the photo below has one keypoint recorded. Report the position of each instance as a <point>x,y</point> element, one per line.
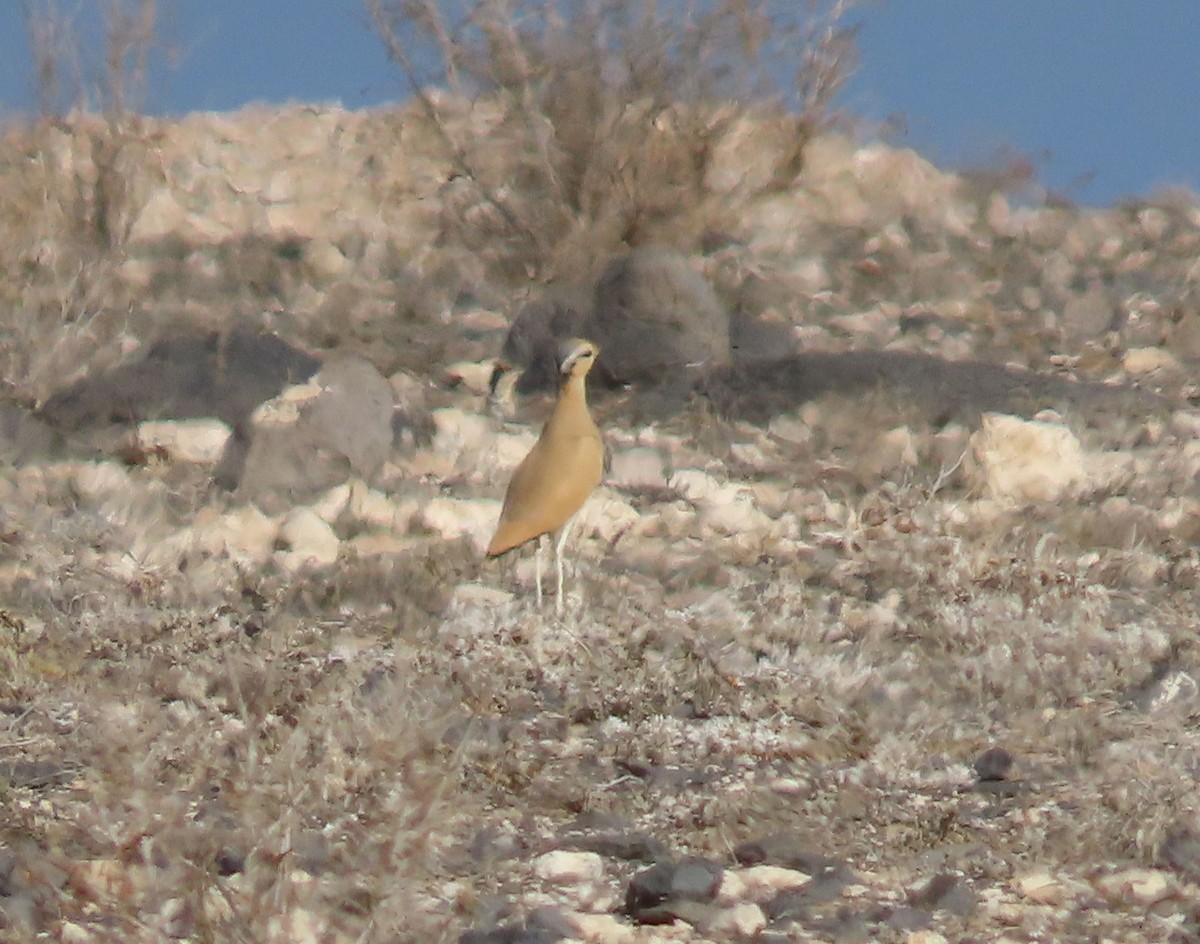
<point>561,471</point>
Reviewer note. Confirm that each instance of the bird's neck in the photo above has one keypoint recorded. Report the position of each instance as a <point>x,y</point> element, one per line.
<point>575,388</point>
<point>572,400</point>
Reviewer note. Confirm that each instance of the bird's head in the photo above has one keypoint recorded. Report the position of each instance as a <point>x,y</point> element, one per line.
<point>576,358</point>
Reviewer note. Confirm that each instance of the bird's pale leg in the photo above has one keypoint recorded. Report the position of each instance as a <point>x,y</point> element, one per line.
<point>563,533</point>
<point>538,558</point>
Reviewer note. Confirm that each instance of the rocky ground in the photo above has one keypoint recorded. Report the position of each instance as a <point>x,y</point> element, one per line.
<point>881,627</point>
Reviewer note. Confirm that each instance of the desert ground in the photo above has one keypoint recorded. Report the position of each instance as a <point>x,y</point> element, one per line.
<point>881,626</point>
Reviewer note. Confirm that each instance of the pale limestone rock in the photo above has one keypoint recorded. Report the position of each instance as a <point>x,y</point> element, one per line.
<point>764,882</point>
<point>637,467</point>
<point>773,497</point>
<point>469,440</point>
<point>790,428</point>
<point>1138,887</point>
<point>810,275</point>
<point>197,440</point>
<point>1026,461</point>
<point>323,261</point>
<point>281,186</point>
<point>285,409</point>
<point>306,541</point>
<point>1139,361</point>
<point>703,488</point>
<point>607,515</point>
<point>162,215</point>
<point>1042,888</point>
<point>564,867</point>
<point>1154,222</point>
<point>1180,517</point>
<point>746,156</point>
<point>291,220</point>
<point>733,888</point>
<point>895,449</point>
<point>374,544</point>
<point>475,377</point>
<point>1185,424</point>
<point>603,929</point>
<point>245,534</point>
<point>752,455</point>
<point>372,507</point>
<point>744,920</point>
<point>453,518</point>
<point>333,504</point>
<point>477,595</point>
<point>298,925</point>
<point>924,936</point>
<point>98,480</point>
<point>735,518</point>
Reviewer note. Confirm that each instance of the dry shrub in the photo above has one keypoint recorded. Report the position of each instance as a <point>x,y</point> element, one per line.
<point>577,128</point>
<point>71,186</point>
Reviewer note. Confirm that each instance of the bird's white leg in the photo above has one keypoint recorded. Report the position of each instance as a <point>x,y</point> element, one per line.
<point>538,558</point>
<point>558,552</point>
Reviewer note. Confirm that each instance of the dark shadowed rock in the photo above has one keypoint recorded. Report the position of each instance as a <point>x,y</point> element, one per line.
<point>630,846</point>
<point>533,340</point>
<point>23,435</point>
<point>222,374</point>
<point>790,851</point>
<point>939,390</point>
<point>668,890</point>
<point>1180,851</point>
<point>654,312</point>
<point>314,437</point>
<point>993,764</point>
<point>945,892</point>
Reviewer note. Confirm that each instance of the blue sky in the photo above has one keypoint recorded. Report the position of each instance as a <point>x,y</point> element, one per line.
<point>1103,96</point>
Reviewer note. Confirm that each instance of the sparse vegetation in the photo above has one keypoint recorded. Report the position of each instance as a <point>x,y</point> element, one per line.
<point>579,129</point>
<point>71,186</point>
<point>812,619</point>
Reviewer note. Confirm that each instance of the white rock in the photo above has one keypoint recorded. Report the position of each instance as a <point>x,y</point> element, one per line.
<point>323,260</point>
<point>563,867</point>
<point>1042,887</point>
<point>98,480</point>
<point>706,490</point>
<point>925,937</point>
<point>637,467</point>
<point>738,517</point>
<point>745,920</point>
<point>380,545</point>
<point>763,882</point>
<point>453,518</point>
<point>478,595</point>
<point>161,215</point>
<point>602,928</point>
<point>245,534</point>
<point>333,503</point>
<point>607,515</point>
<point>284,409</point>
<point>1026,460</point>
<point>307,540</point>
<point>471,376</point>
<point>197,440</point>
<point>1148,360</point>
<point>1142,887</point>
<point>895,449</point>
<point>791,429</point>
<point>370,506</point>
